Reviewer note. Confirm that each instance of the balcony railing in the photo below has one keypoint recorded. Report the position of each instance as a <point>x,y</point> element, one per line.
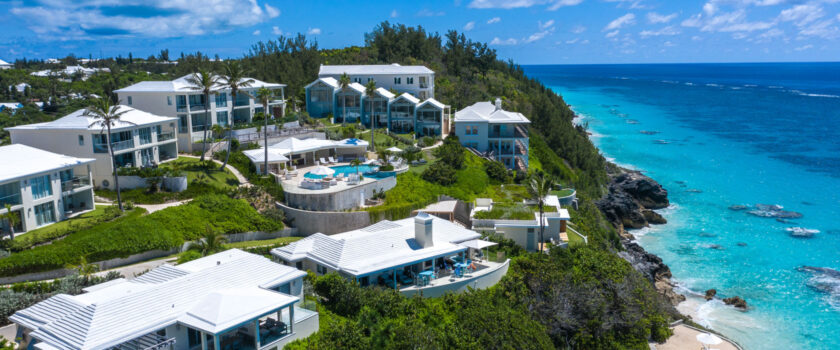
<point>164,136</point>
<point>197,128</point>
<point>424,85</point>
<point>74,183</point>
<point>181,108</point>
<point>115,146</point>
<point>13,199</point>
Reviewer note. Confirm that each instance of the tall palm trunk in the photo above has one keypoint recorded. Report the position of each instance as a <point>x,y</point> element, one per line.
<point>344,106</point>
<point>265,135</point>
<point>542,224</point>
<point>206,122</point>
<point>114,167</point>
<point>372,128</point>
<point>230,132</point>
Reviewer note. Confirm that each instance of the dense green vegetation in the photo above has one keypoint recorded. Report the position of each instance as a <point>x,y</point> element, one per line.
<point>136,233</point>
<point>42,235</point>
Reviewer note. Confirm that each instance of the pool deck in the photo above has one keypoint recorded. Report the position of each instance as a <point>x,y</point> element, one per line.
<point>293,185</point>
<point>488,274</point>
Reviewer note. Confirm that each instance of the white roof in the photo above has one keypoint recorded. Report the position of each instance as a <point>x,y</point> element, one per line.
<point>394,149</point>
<point>69,70</point>
<point>210,293</point>
<point>373,69</point>
<point>378,247</point>
<point>296,145</point>
<point>385,93</point>
<point>326,80</point>
<point>182,84</point>
<point>280,152</point>
<point>478,244</point>
<point>409,97</point>
<point>4,63</point>
<point>78,121</point>
<point>432,102</point>
<point>10,105</point>
<point>487,112</point>
<point>441,207</point>
<point>21,161</point>
<point>274,155</point>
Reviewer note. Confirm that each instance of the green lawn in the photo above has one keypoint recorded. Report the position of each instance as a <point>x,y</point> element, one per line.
<point>563,193</point>
<point>62,228</point>
<point>574,239</point>
<point>266,242</point>
<point>193,167</point>
<point>429,156</point>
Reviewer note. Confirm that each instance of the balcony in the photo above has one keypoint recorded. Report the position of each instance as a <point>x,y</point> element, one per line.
<point>74,183</point>
<point>115,146</point>
<point>424,85</point>
<point>165,136</point>
<point>181,108</point>
<point>13,199</point>
<point>511,131</point>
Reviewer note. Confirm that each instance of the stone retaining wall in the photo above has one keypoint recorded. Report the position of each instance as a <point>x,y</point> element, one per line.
<point>326,222</point>
<point>342,200</point>
<point>171,184</point>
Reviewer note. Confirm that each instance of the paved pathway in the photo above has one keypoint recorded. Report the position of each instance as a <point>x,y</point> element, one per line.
<point>242,180</point>
<point>130,271</point>
<point>686,338</point>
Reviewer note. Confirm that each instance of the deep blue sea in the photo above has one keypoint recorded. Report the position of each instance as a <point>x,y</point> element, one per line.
<point>717,135</point>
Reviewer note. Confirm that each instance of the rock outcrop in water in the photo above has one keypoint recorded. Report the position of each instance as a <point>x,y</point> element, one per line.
<point>710,294</point>
<point>652,267</point>
<point>737,302</point>
<point>630,200</point>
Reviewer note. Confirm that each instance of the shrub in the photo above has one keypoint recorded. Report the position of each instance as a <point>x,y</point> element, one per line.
<point>58,230</point>
<point>188,255</point>
<point>496,170</point>
<point>149,172</point>
<point>386,167</point>
<point>440,173</point>
<point>451,152</point>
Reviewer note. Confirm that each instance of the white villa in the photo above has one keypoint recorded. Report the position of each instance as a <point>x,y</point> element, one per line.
<point>180,99</point>
<point>526,233</point>
<point>69,71</point>
<point>424,254</point>
<point>5,65</point>
<point>412,109</point>
<point>498,134</point>
<point>42,187</point>
<point>294,151</point>
<point>20,88</point>
<point>138,139</point>
<point>229,300</point>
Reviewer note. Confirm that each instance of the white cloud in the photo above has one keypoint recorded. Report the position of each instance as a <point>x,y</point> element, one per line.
<point>826,29</point>
<point>276,30</point>
<point>801,14</point>
<point>546,24</point>
<point>469,26</point>
<point>514,4</point>
<point>271,11</point>
<point>90,19</point>
<point>611,34</point>
<point>696,38</point>
<point>735,21</point>
<point>257,32</point>
<point>578,29</point>
<point>430,13</point>
<point>536,36</point>
<point>394,13</point>
<point>669,44</point>
<point>654,17</point>
<point>668,31</point>
<point>314,31</point>
<point>804,47</point>
<point>494,20</point>
<point>497,41</point>
<point>619,22</point>
<point>585,42</point>
<point>575,40</point>
<point>709,8</point>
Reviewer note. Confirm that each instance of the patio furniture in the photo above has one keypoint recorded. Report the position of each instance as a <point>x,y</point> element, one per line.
<point>323,161</point>
<point>340,177</point>
<point>333,182</point>
<point>332,161</point>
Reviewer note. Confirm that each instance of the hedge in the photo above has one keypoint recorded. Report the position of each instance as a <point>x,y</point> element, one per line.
<point>121,238</point>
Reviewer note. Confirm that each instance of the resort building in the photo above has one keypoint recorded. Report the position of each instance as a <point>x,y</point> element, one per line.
<point>181,99</point>
<point>229,300</point>
<point>423,254</point>
<point>297,152</point>
<point>498,134</point>
<point>42,187</point>
<point>5,65</point>
<point>415,80</point>
<point>70,71</point>
<point>402,114</point>
<point>138,139</point>
<point>525,233</point>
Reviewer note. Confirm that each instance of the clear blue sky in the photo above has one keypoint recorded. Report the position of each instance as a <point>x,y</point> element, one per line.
<point>528,31</point>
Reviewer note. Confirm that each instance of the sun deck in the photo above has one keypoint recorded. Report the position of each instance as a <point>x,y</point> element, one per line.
<point>486,274</point>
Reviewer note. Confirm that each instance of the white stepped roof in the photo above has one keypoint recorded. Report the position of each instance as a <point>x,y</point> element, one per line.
<point>4,63</point>
<point>432,102</point>
<point>326,80</point>
<point>182,84</point>
<point>373,69</point>
<point>21,161</point>
<point>78,121</point>
<point>385,93</point>
<point>408,97</point>
<point>209,289</point>
<point>274,155</point>
<point>487,112</point>
<point>378,247</point>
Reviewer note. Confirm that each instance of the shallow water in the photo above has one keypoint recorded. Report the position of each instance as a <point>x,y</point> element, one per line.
<point>722,135</point>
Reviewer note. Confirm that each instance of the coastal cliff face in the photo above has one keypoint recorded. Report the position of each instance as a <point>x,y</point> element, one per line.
<point>652,267</point>
<point>631,199</point>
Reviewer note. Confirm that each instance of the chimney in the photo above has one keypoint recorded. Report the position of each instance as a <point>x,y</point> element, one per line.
<point>498,104</point>
<point>423,230</point>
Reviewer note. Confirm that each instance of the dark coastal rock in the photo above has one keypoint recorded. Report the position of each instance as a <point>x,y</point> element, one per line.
<point>653,217</point>
<point>652,268</point>
<point>649,132</point>
<point>773,211</point>
<point>741,244</point>
<point>715,246</point>
<point>693,190</point>
<point>710,294</point>
<point>707,234</point>
<point>648,192</point>
<point>737,302</point>
<point>737,207</point>
<point>621,209</point>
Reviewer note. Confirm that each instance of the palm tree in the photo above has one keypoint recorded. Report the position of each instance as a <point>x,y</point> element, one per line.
<point>539,186</point>
<point>370,91</point>
<point>106,115</point>
<point>217,130</point>
<point>234,80</point>
<point>84,268</point>
<point>264,95</point>
<point>211,241</point>
<point>344,83</point>
<point>356,163</point>
<point>13,220</point>
<point>204,81</point>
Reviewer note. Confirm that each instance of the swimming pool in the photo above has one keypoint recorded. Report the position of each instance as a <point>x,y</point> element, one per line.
<point>364,169</point>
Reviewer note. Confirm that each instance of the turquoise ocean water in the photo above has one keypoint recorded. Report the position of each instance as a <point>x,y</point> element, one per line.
<point>717,135</point>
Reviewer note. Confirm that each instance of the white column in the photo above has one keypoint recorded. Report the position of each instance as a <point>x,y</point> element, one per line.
<point>257,334</point>
<point>203,340</point>
<point>291,318</point>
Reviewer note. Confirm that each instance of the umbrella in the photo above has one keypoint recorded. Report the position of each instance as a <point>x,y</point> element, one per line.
<point>394,150</point>
<point>322,170</point>
<point>709,339</point>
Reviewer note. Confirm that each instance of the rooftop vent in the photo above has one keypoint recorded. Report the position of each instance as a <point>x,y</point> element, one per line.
<point>423,230</point>
<point>498,104</point>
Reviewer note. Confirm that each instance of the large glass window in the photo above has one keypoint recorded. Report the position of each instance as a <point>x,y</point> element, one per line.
<point>242,99</point>
<point>196,102</point>
<point>183,124</point>
<point>222,118</point>
<point>181,103</point>
<point>40,187</point>
<point>125,159</point>
<point>198,121</point>
<point>221,99</point>
<point>44,213</point>
<point>10,194</point>
<point>145,135</point>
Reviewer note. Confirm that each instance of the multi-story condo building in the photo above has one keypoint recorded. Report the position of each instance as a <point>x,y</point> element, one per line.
<point>416,80</point>
<point>228,300</point>
<point>497,133</point>
<point>396,105</point>
<point>181,99</point>
<point>138,139</point>
<point>42,187</point>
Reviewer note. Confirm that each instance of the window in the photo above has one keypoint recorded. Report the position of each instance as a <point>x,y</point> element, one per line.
<point>196,102</point>
<point>193,338</point>
<point>222,118</point>
<point>181,103</point>
<point>397,80</point>
<point>81,140</point>
<point>44,213</point>
<point>322,270</point>
<point>471,130</point>
<point>221,99</point>
<point>183,125</point>
<point>409,80</point>
<point>299,265</point>
<point>40,187</point>
<point>129,100</point>
<point>145,135</point>
<point>169,100</point>
<point>197,122</point>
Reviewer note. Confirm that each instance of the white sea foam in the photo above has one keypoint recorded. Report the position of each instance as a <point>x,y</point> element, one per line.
<point>690,84</point>
<point>800,93</point>
<point>713,85</point>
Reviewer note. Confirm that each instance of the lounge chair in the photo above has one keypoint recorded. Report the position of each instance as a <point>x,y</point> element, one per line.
<point>323,161</point>
<point>332,161</point>
<point>340,177</point>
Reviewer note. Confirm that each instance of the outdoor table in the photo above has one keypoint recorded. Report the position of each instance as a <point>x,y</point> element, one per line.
<point>427,276</point>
